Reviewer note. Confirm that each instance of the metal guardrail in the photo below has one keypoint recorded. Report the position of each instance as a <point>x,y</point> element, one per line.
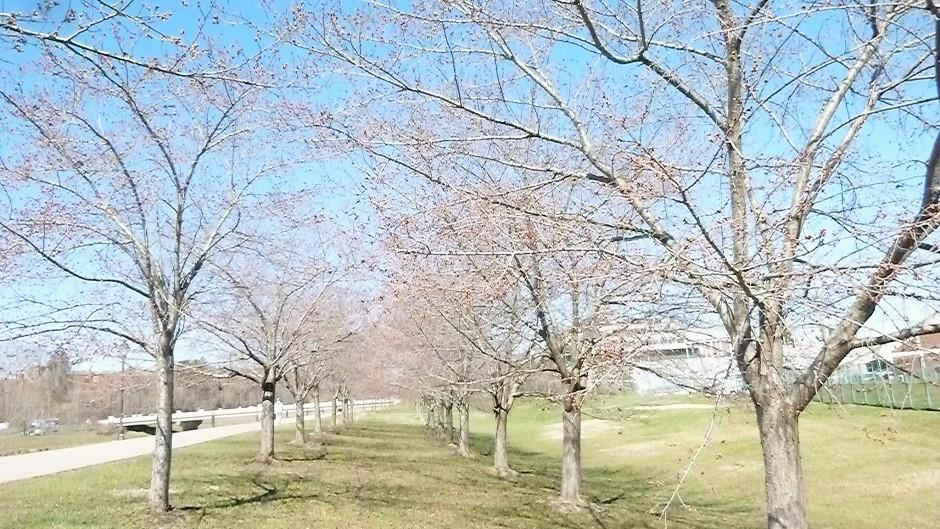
<point>247,411</point>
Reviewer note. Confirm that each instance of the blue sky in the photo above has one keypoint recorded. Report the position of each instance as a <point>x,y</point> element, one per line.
<point>897,145</point>
<point>884,173</point>
<point>337,182</point>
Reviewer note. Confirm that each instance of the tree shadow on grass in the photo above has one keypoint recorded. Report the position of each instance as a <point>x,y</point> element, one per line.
<point>623,497</point>
<point>303,458</point>
<point>267,492</point>
<point>524,500</point>
<point>398,472</point>
<point>620,497</point>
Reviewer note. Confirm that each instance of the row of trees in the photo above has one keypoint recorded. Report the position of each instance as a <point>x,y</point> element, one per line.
<point>154,204</point>
<point>548,176</point>
<point>742,158</point>
<point>493,307</point>
<point>55,389</point>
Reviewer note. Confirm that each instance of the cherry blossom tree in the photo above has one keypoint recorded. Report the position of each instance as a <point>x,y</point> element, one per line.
<point>754,144</point>
<point>279,313</point>
<point>129,204</point>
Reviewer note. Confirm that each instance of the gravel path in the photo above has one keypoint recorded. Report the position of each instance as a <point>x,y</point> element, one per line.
<point>23,466</point>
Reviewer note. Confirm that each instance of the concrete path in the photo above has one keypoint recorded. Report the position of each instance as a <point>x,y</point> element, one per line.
<point>677,406</point>
<point>23,466</point>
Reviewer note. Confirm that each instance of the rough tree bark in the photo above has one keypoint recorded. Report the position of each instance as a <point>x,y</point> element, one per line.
<point>429,417</point>
<point>300,431</point>
<point>571,449</point>
<point>441,420</point>
<point>503,399</point>
<point>449,421</point>
<point>463,441</point>
<point>783,469</point>
<point>334,411</point>
<point>500,452</point>
<point>266,453</point>
<point>159,497</point>
<point>317,419</point>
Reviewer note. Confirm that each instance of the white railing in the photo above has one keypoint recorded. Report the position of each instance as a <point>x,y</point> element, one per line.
<point>248,411</point>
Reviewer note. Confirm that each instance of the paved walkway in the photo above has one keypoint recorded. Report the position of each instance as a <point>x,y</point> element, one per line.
<point>23,466</point>
<point>677,406</point>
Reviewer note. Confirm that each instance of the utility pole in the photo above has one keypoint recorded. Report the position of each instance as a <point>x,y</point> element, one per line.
<point>218,401</point>
<point>123,384</point>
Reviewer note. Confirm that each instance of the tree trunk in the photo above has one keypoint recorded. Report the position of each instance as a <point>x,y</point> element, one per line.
<point>441,421</point>
<point>159,497</point>
<point>429,417</point>
<point>463,442</point>
<point>300,432</point>
<point>571,452</point>
<point>449,421</point>
<point>317,419</point>
<point>783,470</point>
<point>500,450</point>
<point>266,453</point>
<point>334,412</point>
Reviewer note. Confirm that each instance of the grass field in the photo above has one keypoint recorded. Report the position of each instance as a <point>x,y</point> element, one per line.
<point>12,443</point>
<point>16,443</point>
<point>900,395</point>
<point>866,468</point>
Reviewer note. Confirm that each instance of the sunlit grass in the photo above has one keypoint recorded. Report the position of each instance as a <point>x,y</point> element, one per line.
<point>866,468</point>
<point>12,443</point>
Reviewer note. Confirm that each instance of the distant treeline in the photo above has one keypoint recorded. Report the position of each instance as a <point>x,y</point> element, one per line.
<point>54,390</point>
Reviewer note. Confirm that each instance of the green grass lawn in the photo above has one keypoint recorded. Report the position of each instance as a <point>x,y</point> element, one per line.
<point>866,468</point>
<point>901,395</point>
<point>12,443</point>
<point>17,443</point>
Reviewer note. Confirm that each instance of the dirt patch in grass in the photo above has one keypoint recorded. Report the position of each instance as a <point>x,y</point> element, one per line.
<point>639,448</point>
<point>141,492</point>
<point>589,429</point>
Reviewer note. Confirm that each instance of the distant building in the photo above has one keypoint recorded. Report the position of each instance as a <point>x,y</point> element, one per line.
<point>918,357</point>
<point>666,356</point>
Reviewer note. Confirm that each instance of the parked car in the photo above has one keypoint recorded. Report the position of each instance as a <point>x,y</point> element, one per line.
<point>43,427</point>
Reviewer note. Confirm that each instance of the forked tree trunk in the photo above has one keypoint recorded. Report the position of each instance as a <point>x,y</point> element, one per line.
<point>500,448</point>
<point>783,469</point>
<point>317,419</point>
<point>300,432</point>
<point>159,496</point>
<point>571,452</point>
<point>266,453</point>
<point>463,441</point>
